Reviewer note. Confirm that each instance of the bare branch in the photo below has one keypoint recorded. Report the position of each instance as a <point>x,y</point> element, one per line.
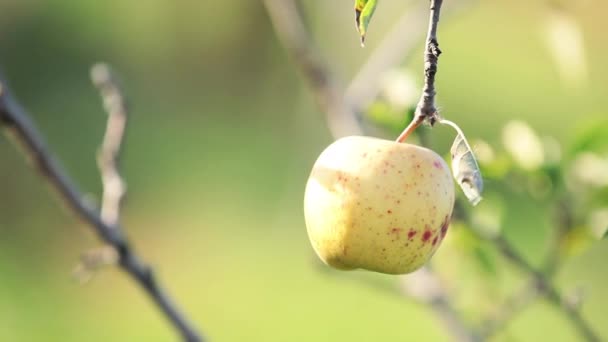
<point>426,110</point>
<point>425,286</point>
<point>509,309</point>
<point>563,221</point>
<point>541,281</point>
<point>546,288</point>
<point>17,122</point>
<point>291,30</point>
<point>426,106</point>
<point>396,48</point>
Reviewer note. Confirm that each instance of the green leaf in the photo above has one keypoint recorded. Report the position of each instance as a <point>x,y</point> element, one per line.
<point>591,137</point>
<point>464,166</point>
<point>576,241</point>
<point>364,10</point>
<point>582,237</point>
<point>383,115</point>
<point>485,260</point>
<point>474,250</point>
<point>498,168</point>
<point>598,223</point>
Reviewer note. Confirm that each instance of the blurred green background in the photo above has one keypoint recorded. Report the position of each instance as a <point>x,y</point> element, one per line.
<point>223,133</point>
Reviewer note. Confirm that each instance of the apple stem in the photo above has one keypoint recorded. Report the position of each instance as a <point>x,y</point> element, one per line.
<point>416,121</point>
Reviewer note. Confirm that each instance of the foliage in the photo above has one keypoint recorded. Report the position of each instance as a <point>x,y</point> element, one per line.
<point>364,10</point>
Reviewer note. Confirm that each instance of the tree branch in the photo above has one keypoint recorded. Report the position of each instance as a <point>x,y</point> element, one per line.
<point>563,221</point>
<point>292,32</point>
<point>17,123</point>
<point>424,286</point>
<point>394,49</point>
<point>541,281</point>
<point>426,106</point>
<point>510,308</point>
<point>426,110</point>
<point>546,288</point>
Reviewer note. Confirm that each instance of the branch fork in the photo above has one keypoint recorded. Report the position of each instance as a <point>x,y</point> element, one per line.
<point>106,221</point>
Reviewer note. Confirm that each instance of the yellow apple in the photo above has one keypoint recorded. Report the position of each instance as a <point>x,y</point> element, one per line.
<point>378,205</point>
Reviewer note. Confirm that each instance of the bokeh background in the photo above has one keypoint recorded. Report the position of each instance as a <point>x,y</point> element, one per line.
<point>223,132</point>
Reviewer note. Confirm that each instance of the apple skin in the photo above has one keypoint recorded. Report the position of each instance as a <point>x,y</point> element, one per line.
<point>378,205</point>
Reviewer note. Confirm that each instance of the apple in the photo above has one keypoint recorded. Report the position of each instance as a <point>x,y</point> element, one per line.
<point>378,205</point>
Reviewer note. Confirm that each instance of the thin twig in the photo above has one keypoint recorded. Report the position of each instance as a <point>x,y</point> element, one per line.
<point>564,221</point>
<point>426,109</point>
<point>17,122</point>
<point>109,153</point>
<point>425,287</point>
<point>542,282</point>
<point>395,48</point>
<point>510,308</point>
<point>292,32</point>
<point>546,288</point>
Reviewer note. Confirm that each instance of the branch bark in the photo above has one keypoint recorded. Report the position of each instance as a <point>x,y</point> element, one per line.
<point>426,107</point>
<point>426,110</point>
<point>16,121</point>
